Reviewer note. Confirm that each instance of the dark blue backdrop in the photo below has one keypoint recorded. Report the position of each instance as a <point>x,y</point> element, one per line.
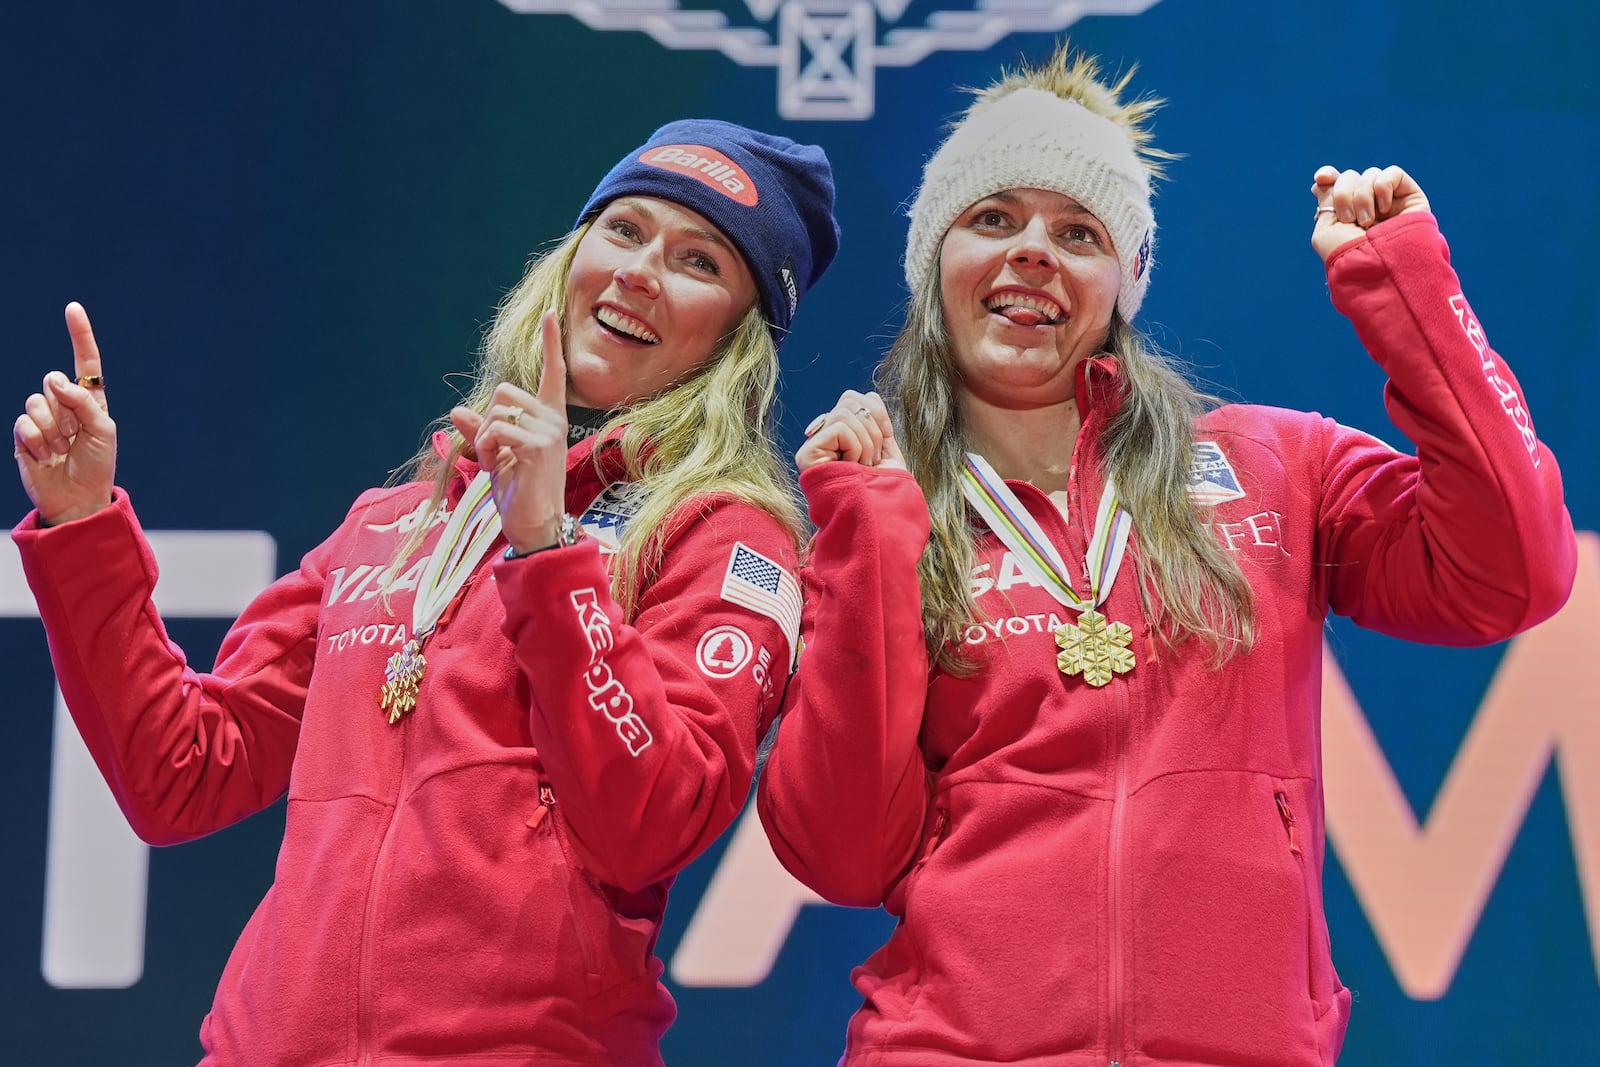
<point>289,222</point>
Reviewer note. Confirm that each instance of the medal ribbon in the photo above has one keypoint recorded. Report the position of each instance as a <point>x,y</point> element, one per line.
<point>1019,531</point>
<point>473,526</point>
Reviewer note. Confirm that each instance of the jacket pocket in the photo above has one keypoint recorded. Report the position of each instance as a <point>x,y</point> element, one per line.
<point>1290,798</point>
<point>616,931</point>
<point>1002,885</point>
<point>487,900</point>
<point>1218,924</point>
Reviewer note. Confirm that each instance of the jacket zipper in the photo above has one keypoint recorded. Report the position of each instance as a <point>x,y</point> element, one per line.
<point>1119,805</point>
<point>940,825</point>
<point>547,804</point>
<point>1286,813</point>
<point>369,926</point>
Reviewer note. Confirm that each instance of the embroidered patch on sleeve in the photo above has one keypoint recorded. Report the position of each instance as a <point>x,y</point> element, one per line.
<point>753,581</point>
<point>724,651</point>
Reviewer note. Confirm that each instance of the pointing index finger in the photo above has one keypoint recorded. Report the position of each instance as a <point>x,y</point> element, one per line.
<point>553,375</point>
<point>85,352</point>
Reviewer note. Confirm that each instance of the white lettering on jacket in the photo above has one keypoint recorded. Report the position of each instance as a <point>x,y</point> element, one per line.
<point>1510,402</point>
<point>607,694</point>
<point>1264,529</point>
<point>391,634</point>
<point>368,580</point>
<point>1015,626</point>
<point>1011,573</point>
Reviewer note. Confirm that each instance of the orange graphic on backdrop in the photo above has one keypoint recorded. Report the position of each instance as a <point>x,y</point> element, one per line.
<point>1424,886</point>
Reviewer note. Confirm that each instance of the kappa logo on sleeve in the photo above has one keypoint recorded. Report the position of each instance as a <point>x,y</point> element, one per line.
<point>1211,477</point>
<point>753,581</point>
<point>1510,402</point>
<point>607,694</point>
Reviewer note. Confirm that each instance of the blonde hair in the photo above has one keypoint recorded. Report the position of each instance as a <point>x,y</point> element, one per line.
<point>705,436</point>
<point>1189,586</point>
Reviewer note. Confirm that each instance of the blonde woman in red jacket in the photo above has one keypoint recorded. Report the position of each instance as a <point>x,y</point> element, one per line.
<point>509,699</point>
<point>1058,707</point>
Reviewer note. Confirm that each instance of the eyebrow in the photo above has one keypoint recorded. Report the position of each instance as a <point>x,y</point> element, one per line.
<point>703,234</point>
<point>1008,197</point>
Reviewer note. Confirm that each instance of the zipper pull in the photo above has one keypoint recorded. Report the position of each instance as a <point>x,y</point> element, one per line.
<point>940,825</point>
<point>1287,815</point>
<point>547,804</point>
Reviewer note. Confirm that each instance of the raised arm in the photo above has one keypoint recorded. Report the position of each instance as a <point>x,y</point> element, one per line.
<point>1470,540</point>
<point>184,752</point>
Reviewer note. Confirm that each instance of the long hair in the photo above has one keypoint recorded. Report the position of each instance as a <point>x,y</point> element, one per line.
<point>1189,586</point>
<point>708,434</point>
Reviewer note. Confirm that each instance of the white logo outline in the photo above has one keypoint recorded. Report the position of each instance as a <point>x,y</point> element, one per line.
<point>809,47</point>
<point>743,652</point>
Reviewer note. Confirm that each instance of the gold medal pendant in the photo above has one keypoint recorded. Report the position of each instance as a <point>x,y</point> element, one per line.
<point>1094,648</point>
<point>402,677</point>
<point>472,527</point>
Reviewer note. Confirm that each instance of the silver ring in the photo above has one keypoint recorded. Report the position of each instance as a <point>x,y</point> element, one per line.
<point>1328,208</point>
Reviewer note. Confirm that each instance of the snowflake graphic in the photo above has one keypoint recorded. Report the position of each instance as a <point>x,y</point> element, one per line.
<point>1094,648</point>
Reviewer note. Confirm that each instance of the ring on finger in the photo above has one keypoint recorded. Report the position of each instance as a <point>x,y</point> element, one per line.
<point>862,411</point>
<point>1329,208</point>
<point>514,416</point>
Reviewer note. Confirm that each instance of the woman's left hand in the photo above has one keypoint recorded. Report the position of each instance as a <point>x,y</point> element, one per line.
<point>1349,202</point>
<point>522,442</point>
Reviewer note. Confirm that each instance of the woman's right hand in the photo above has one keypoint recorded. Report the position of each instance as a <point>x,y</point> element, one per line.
<point>65,441</point>
<point>856,430</point>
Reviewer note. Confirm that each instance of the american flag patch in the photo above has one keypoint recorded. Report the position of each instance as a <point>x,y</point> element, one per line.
<point>753,581</point>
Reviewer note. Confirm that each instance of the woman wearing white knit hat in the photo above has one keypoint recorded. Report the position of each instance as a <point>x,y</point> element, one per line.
<point>1072,736</point>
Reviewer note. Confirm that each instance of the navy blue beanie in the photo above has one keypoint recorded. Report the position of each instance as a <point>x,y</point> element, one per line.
<point>772,198</point>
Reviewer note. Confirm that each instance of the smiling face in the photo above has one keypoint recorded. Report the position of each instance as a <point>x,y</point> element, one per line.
<point>1029,281</point>
<point>653,288</point>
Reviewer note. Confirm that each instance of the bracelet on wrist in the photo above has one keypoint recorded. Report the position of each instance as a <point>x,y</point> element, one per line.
<point>568,533</point>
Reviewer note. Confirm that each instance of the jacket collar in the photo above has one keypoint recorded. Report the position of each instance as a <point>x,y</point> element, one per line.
<point>1099,387</point>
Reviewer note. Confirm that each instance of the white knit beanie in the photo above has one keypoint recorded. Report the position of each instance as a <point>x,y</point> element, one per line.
<point>1034,139</point>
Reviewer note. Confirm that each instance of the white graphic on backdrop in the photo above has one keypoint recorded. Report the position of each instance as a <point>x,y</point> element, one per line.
<point>95,868</point>
<point>828,51</point>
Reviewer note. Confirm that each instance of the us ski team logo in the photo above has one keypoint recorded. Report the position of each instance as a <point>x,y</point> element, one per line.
<point>1211,478</point>
<point>827,52</point>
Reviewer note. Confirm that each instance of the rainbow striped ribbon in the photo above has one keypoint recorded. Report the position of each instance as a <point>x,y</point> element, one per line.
<point>473,526</point>
<point>1019,531</point>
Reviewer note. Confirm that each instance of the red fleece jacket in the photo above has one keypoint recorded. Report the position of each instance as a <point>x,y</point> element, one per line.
<point>1133,874</point>
<point>484,881</point>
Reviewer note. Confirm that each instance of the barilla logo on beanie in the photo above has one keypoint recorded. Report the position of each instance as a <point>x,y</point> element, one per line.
<point>706,165</point>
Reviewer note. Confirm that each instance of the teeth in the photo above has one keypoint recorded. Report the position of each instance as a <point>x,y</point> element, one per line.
<point>1048,308</point>
<point>627,324</point>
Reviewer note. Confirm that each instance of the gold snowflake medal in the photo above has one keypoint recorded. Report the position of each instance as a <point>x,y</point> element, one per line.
<point>1094,648</point>
<point>473,526</point>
